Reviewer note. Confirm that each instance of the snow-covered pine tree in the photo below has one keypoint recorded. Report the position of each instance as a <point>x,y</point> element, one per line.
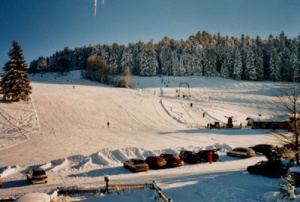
<point>227,65</point>
<point>274,65</point>
<point>259,62</point>
<point>197,61</point>
<point>251,73</point>
<point>127,59</point>
<point>294,60</point>
<point>137,53</point>
<point>287,189</point>
<point>238,66</point>
<point>105,53</point>
<point>114,56</point>
<point>175,62</point>
<point>184,64</point>
<point>211,62</point>
<point>15,85</point>
<point>224,70</point>
<point>148,62</point>
<point>164,56</point>
<point>186,67</point>
<point>286,68</point>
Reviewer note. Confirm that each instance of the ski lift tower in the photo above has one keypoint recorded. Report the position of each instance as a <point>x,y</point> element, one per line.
<point>188,86</point>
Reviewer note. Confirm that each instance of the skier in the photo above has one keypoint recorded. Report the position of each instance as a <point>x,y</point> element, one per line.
<point>210,157</point>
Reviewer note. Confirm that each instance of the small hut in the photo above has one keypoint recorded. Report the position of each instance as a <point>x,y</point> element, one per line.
<point>268,122</point>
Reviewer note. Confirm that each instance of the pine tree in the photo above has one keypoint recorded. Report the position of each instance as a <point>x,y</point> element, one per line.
<point>251,73</point>
<point>127,59</point>
<point>175,62</point>
<point>148,62</point>
<point>238,66</point>
<point>287,189</point>
<point>274,66</point>
<point>15,85</point>
<point>197,61</point>
<point>259,62</point>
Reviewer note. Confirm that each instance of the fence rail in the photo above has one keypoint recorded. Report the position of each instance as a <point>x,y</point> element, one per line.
<point>114,187</point>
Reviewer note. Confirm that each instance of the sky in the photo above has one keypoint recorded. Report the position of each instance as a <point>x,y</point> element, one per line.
<point>43,27</point>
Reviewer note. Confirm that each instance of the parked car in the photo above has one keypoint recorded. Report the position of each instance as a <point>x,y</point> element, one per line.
<point>172,160</point>
<point>243,152</point>
<point>136,165</point>
<point>264,149</point>
<point>0,181</point>
<point>156,162</point>
<point>37,176</point>
<point>204,155</point>
<point>190,157</point>
<point>273,169</point>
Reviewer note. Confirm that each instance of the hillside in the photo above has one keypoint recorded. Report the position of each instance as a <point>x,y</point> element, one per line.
<point>64,130</point>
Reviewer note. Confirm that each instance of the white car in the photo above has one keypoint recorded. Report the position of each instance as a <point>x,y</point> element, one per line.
<point>37,176</point>
<point>243,152</point>
<point>136,165</point>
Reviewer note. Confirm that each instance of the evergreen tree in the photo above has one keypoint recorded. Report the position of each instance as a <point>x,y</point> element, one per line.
<point>274,66</point>
<point>15,85</point>
<point>148,62</point>
<point>287,189</point>
<point>259,63</point>
<point>224,70</point>
<point>197,61</point>
<point>165,59</point>
<point>251,73</point>
<point>62,64</point>
<point>114,59</point>
<point>294,60</point>
<point>186,66</point>
<point>33,67</point>
<point>127,58</point>
<point>210,67</point>
<point>238,66</point>
<point>175,62</point>
<point>286,68</point>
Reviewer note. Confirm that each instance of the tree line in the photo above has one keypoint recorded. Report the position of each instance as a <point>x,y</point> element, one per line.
<point>202,54</point>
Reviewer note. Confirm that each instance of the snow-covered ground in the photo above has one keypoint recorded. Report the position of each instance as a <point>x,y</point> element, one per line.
<point>63,129</point>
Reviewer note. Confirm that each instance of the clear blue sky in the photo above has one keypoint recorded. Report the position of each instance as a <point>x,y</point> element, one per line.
<point>42,27</point>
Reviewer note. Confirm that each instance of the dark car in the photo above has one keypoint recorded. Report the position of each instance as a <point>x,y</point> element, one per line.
<point>204,155</point>
<point>273,169</point>
<point>136,165</point>
<point>172,160</point>
<point>264,149</point>
<point>190,157</point>
<point>37,176</point>
<point>156,162</point>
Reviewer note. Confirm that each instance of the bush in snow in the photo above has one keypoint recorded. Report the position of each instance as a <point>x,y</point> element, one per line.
<point>287,189</point>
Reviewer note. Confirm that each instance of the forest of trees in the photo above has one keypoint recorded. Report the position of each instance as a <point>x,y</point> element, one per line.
<point>202,54</point>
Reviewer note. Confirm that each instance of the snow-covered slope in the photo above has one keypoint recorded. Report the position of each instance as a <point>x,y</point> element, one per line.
<point>64,130</point>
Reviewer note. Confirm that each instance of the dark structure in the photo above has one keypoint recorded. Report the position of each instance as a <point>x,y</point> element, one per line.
<point>270,123</point>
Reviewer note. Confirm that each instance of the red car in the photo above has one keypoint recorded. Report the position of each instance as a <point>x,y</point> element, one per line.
<point>156,162</point>
<point>172,160</point>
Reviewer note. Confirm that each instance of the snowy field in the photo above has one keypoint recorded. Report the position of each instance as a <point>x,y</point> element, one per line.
<point>63,129</point>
